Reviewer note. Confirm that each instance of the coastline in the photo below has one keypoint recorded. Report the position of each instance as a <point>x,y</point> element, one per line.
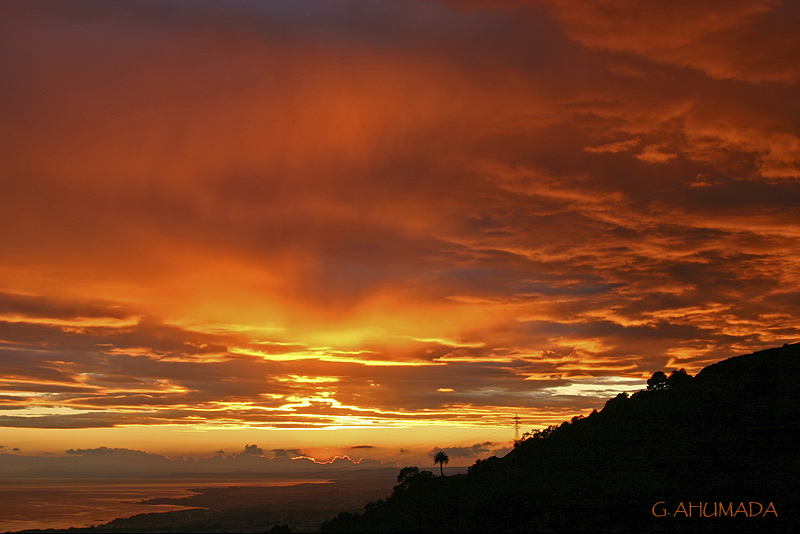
<point>98,505</point>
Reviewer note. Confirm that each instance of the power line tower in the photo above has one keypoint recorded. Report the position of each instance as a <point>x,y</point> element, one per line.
<point>516,427</point>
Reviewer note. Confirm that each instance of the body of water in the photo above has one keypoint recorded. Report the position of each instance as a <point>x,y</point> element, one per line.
<point>63,503</point>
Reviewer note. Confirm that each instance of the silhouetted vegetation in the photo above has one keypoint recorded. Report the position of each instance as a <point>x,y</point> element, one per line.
<point>642,464</point>
<point>441,459</point>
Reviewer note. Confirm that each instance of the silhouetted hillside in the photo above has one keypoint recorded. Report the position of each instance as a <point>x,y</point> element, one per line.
<point>688,454</point>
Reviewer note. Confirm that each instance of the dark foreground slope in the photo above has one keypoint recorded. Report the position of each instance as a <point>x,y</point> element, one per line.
<point>717,452</point>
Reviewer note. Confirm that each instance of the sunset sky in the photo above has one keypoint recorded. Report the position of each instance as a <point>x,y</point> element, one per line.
<point>390,225</point>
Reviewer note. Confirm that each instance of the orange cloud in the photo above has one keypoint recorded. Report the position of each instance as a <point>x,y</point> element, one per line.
<point>740,39</point>
<point>268,217</point>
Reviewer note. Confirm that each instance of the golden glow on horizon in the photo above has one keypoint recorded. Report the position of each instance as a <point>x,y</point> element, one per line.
<point>495,359</point>
<point>308,379</point>
<point>327,356</point>
<point>73,325</point>
<point>447,342</point>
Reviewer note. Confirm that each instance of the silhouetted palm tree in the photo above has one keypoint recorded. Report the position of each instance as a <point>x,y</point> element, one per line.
<point>442,459</point>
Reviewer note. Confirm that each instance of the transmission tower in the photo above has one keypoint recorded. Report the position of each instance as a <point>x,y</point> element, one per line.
<point>516,427</point>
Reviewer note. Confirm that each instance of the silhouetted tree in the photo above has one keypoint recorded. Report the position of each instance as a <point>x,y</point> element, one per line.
<point>407,473</point>
<point>678,379</point>
<point>657,382</point>
<point>542,433</point>
<point>442,459</point>
<point>410,475</point>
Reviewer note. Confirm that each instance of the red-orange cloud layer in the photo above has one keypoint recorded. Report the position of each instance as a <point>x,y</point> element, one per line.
<point>319,214</point>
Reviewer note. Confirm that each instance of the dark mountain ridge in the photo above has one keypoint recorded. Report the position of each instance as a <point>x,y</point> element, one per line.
<point>713,452</point>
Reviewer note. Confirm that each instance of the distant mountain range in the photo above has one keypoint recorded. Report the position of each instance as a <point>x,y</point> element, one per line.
<point>717,452</point>
<point>104,462</point>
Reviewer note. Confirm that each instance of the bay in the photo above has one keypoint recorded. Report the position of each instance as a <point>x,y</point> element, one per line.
<point>43,503</point>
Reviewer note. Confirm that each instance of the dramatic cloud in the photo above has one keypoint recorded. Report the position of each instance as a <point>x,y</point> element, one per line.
<point>382,214</point>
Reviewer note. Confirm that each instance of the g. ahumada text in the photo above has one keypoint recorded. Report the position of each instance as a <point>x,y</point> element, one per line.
<point>714,509</point>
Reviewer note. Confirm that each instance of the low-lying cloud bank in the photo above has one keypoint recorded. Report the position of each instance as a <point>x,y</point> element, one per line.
<point>104,462</point>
